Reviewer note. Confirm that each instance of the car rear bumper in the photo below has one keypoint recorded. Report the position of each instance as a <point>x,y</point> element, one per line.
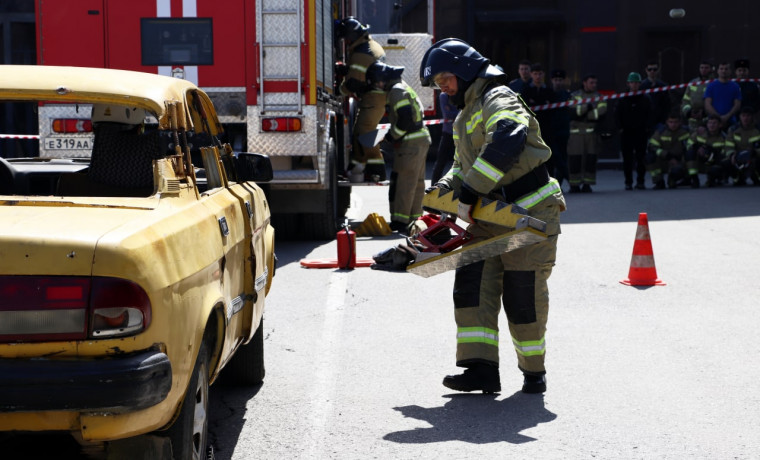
<point>115,385</point>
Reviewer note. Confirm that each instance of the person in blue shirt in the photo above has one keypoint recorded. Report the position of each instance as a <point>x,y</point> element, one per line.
<point>723,97</point>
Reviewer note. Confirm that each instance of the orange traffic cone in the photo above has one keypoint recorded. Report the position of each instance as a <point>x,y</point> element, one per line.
<point>642,271</point>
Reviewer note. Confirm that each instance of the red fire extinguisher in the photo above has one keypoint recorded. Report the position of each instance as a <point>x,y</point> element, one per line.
<point>346,247</point>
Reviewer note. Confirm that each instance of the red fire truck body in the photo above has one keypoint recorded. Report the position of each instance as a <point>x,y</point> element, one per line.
<point>268,66</point>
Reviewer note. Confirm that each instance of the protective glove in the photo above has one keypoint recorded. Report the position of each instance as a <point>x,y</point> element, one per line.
<point>437,186</point>
<point>467,198</point>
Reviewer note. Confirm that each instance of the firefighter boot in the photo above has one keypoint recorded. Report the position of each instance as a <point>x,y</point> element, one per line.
<point>481,377</point>
<point>534,383</point>
<point>694,181</point>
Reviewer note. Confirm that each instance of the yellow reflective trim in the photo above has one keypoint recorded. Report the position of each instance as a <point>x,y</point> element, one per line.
<point>539,195</point>
<point>478,335</point>
<point>474,121</point>
<point>417,134</point>
<point>530,347</point>
<point>359,67</point>
<point>487,169</point>
<point>502,114</point>
<point>401,103</point>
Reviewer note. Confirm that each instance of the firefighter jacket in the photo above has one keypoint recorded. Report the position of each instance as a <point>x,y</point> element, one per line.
<point>405,113</point>
<point>707,147</point>
<point>362,53</point>
<point>670,145</point>
<point>693,97</point>
<point>740,139</point>
<point>586,115</point>
<point>498,145</point>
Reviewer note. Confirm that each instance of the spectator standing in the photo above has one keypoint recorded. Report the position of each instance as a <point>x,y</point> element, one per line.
<point>519,84</point>
<point>559,133</point>
<point>666,154</point>
<point>537,93</point>
<point>633,113</point>
<point>694,96</point>
<point>661,99</point>
<point>446,145</point>
<point>584,145</point>
<point>743,148</point>
<point>723,97</point>
<point>750,89</point>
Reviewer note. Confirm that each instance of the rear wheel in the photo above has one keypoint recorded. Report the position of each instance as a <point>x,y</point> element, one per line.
<point>189,433</point>
<point>247,366</point>
<point>324,225</point>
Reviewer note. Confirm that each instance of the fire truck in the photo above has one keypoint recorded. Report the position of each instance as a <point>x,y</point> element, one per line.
<point>269,67</point>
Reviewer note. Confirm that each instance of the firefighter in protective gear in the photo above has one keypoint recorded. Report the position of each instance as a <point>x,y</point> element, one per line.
<point>706,153</point>
<point>584,145</point>
<point>499,154</point>
<point>410,140</point>
<point>694,95</point>
<point>743,148</point>
<point>363,51</point>
<point>666,154</point>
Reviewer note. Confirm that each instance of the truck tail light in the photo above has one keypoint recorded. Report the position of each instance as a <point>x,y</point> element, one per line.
<point>72,125</point>
<point>284,124</point>
<point>59,308</point>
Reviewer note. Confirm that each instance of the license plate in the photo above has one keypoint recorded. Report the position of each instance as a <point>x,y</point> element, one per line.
<point>68,143</point>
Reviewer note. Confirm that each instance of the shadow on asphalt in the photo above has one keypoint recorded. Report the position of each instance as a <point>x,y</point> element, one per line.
<point>611,203</point>
<point>475,418</point>
<point>227,415</point>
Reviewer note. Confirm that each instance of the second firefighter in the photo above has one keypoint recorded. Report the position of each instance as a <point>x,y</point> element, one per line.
<point>410,140</point>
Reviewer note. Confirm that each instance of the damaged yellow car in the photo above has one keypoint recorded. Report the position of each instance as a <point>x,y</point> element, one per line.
<point>131,275</point>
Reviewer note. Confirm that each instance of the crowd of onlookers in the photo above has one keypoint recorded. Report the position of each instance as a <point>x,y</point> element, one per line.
<point>710,127</point>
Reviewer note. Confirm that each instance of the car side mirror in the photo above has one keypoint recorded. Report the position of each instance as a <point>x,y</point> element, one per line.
<point>255,167</point>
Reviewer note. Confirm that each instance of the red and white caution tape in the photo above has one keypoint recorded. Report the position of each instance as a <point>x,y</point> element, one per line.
<point>659,89</point>
<point>19,136</point>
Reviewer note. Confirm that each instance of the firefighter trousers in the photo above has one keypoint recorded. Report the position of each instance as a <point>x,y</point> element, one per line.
<point>371,111</point>
<point>582,151</point>
<point>518,280</point>
<point>407,184</point>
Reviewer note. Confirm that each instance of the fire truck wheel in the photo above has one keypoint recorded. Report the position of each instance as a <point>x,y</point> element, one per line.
<point>323,226</point>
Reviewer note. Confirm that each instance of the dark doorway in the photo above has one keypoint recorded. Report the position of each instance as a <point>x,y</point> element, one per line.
<point>18,46</point>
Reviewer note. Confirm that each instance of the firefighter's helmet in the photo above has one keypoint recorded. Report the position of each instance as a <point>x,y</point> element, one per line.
<point>381,72</point>
<point>350,29</point>
<point>743,159</point>
<point>457,57</point>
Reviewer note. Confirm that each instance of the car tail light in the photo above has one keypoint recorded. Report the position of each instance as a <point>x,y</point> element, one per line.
<point>72,125</point>
<point>118,308</point>
<point>281,124</point>
<point>55,308</point>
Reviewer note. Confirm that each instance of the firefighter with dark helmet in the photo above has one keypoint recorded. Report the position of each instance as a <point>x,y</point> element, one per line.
<point>363,51</point>
<point>410,140</point>
<point>499,154</point>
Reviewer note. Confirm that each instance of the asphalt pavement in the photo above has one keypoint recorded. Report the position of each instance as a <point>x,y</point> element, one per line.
<point>355,358</point>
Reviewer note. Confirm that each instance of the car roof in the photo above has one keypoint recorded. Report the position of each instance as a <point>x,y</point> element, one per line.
<point>122,87</point>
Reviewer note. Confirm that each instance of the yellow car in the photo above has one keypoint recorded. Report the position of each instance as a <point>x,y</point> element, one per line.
<point>132,272</point>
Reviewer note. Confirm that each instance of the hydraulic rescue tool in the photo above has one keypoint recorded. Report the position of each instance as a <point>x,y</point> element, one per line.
<point>442,254</point>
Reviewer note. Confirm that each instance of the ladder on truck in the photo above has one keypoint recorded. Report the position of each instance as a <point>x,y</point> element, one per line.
<point>280,55</point>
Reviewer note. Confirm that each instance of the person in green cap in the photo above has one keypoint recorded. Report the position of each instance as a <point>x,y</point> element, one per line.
<point>634,112</point>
